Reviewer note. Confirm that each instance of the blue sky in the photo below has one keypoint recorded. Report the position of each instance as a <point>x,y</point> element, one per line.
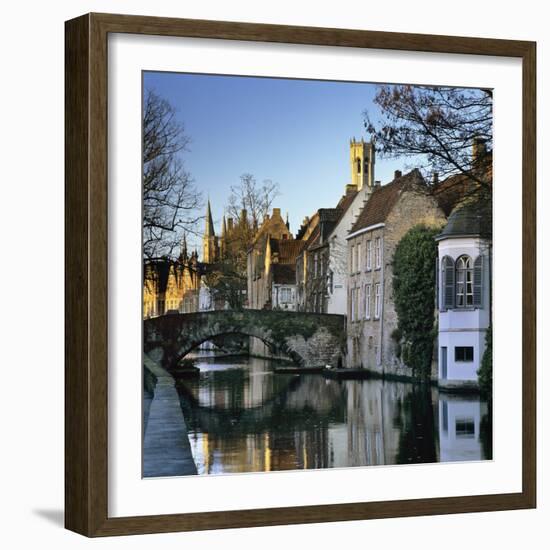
<point>294,132</point>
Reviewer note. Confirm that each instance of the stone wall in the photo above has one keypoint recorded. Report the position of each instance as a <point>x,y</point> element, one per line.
<point>370,344</point>
<point>311,340</point>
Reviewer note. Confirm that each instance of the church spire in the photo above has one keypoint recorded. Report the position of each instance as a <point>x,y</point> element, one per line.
<point>183,253</point>
<point>210,244</point>
<point>209,228</point>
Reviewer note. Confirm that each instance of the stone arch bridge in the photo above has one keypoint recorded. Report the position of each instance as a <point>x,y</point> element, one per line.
<point>309,339</point>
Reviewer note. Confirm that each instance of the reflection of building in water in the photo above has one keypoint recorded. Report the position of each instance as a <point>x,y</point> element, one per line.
<point>369,436</point>
<point>459,427</point>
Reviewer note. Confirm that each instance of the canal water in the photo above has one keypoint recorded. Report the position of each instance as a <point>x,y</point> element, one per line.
<point>242,416</point>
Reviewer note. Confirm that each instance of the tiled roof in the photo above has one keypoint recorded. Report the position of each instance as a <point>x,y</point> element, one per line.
<point>450,192</point>
<point>345,202</point>
<point>284,274</point>
<point>289,249</point>
<point>384,198</point>
<point>471,219</point>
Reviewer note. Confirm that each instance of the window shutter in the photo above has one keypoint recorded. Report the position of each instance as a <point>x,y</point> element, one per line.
<point>449,283</point>
<point>437,282</point>
<point>478,282</point>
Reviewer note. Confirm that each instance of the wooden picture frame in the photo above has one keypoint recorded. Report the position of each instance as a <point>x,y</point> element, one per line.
<point>86,230</point>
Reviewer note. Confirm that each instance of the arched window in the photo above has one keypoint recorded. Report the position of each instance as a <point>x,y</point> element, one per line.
<point>358,160</point>
<point>464,282</point>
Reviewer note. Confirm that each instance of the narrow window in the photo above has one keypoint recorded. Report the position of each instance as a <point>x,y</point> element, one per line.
<point>378,252</point>
<point>367,301</point>
<point>352,251</point>
<point>358,161</point>
<point>369,255</point>
<point>358,263</point>
<point>464,282</point>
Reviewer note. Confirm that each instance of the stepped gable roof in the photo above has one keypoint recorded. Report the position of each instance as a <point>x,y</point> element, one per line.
<point>345,202</point>
<point>284,274</point>
<point>384,198</point>
<point>473,219</point>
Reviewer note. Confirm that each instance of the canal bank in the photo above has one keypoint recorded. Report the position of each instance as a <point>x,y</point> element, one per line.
<point>166,448</point>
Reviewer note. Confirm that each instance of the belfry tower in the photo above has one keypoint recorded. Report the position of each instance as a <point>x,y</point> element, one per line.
<point>362,159</point>
<point>210,250</point>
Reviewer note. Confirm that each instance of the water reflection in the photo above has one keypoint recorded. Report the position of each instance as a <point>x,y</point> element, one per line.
<point>243,417</point>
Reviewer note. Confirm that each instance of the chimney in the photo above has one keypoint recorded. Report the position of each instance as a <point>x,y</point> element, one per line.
<point>479,149</point>
<point>397,174</point>
<point>377,183</point>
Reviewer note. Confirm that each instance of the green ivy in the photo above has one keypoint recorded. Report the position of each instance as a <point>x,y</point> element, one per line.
<point>485,372</point>
<point>413,295</point>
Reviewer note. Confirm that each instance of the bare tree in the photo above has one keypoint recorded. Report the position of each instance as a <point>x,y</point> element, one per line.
<point>435,125</point>
<point>253,197</point>
<point>248,204</point>
<point>170,199</point>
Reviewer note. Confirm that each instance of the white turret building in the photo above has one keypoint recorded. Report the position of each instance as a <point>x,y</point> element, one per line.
<point>464,293</point>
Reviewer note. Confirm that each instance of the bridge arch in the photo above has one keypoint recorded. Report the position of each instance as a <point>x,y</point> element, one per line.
<point>310,339</point>
<point>280,349</point>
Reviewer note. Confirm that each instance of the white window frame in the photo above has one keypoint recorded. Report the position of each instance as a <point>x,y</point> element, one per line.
<point>378,252</point>
<point>369,255</point>
<point>286,292</point>
<point>368,294</point>
<point>352,252</point>
<point>358,264</point>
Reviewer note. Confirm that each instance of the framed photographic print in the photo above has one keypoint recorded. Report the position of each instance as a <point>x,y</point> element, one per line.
<point>300,275</point>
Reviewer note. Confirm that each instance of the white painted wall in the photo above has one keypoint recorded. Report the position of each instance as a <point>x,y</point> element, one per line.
<point>32,87</point>
<point>457,444</point>
<point>338,263</point>
<point>464,327</point>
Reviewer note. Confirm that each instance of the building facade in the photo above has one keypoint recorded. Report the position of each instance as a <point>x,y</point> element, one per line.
<point>171,286</point>
<point>322,265</point>
<point>273,246</point>
<point>388,214</point>
<point>464,293</point>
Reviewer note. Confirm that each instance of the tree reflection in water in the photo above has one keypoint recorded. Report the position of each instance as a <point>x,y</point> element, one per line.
<point>243,417</point>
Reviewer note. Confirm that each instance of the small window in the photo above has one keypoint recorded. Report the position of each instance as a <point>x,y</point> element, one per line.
<point>358,160</point>
<point>285,295</point>
<point>464,354</point>
<point>369,255</point>
<point>465,428</point>
<point>367,301</point>
<point>378,252</point>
